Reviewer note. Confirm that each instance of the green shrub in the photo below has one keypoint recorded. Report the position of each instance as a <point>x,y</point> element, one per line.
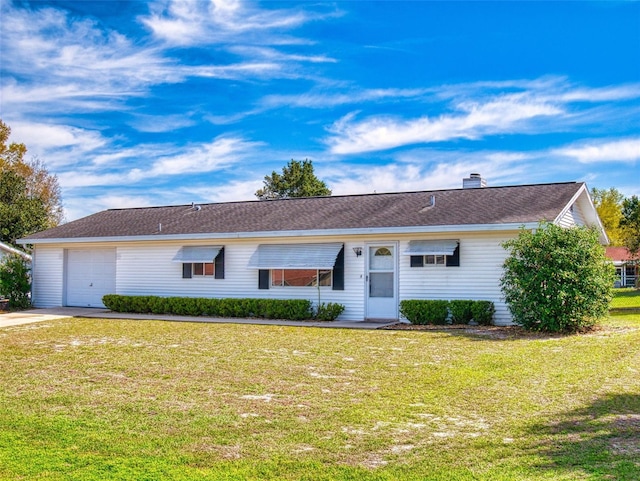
<point>421,311</point>
<point>557,279</point>
<point>460,311</point>
<point>15,283</point>
<point>329,311</point>
<point>482,312</point>
<point>291,309</point>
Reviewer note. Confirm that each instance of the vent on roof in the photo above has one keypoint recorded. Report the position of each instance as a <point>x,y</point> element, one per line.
<point>474,181</point>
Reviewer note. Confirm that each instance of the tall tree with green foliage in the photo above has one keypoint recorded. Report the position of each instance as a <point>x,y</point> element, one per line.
<point>297,180</point>
<point>557,279</point>
<point>30,197</point>
<point>608,203</point>
<point>630,224</point>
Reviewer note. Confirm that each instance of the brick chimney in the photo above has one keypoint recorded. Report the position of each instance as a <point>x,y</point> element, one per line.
<point>474,181</point>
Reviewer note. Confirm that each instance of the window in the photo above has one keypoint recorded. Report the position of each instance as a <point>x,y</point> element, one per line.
<point>300,278</point>
<point>203,269</point>
<point>201,261</point>
<point>434,253</point>
<point>299,265</point>
<point>434,260</point>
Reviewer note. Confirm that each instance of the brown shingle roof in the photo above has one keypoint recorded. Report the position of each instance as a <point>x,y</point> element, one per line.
<point>490,205</point>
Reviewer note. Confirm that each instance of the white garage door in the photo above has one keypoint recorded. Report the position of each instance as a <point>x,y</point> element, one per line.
<point>91,273</point>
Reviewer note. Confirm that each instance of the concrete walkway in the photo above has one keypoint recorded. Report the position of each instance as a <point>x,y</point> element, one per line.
<point>39,315</point>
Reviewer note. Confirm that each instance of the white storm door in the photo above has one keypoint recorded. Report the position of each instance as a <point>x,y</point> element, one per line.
<point>382,283</point>
<point>91,273</point>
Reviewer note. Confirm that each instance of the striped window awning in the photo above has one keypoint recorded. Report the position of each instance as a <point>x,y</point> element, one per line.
<point>190,254</point>
<point>431,247</point>
<point>295,256</point>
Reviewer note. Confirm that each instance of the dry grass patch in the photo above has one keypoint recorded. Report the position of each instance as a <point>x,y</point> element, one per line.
<point>97,399</point>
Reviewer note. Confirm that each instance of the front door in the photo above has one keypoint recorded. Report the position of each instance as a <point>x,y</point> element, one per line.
<point>382,284</point>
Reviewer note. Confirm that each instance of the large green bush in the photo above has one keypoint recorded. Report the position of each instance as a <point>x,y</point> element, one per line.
<point>292,309</point>
<point>557,279</point>
<point>15,283</point>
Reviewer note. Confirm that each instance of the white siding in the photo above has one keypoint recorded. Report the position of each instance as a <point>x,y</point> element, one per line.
<point>572,217</point>
<point>477,277</point>
<point>47,277</point>
<point>147,269</point>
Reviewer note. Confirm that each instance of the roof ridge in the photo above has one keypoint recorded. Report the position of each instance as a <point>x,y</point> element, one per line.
<point>367,194</point>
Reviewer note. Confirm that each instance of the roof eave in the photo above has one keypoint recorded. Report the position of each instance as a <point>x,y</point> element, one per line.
<point>293,233</point>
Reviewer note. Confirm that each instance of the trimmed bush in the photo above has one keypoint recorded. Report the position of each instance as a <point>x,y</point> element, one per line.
<point>422,311</point>
<point>482,312</point>
<point>329,311</point>
<point>461,311</point>
<point>291,309</point>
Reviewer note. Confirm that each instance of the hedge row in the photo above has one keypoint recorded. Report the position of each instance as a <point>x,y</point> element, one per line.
<point>442,312</point>
<point>291,309</point>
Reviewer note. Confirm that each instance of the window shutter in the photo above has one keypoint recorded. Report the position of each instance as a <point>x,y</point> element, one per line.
<point>219,263</point>
<point>186,271</point>
<point>417,261</point>
<point>338,272</point>
<point>264,278</point>
<point>454,260</point>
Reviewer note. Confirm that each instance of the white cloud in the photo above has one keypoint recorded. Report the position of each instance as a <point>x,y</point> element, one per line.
<point>185,22</point>
<point>161,123</point>
<point>622,150</point>
<point>333,99</point>
<point>502,114</point>
<point>222,152</point>
<point>416,175</point>
<point>56,145</point>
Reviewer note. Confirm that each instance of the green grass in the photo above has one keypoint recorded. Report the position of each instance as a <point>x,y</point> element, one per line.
<point>85,399</point>
<point>626,298</point>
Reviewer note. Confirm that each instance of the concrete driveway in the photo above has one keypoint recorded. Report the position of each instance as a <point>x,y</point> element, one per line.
<point>39,315</point>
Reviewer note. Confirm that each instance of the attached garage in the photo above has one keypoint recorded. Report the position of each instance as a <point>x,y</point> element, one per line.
<point>91,273</point>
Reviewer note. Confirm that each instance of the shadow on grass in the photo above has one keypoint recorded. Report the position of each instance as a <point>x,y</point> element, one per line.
<point>601,440</point>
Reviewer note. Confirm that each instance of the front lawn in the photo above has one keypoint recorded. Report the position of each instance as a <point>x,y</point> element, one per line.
<point>84,399</point>
<point>626,298</point>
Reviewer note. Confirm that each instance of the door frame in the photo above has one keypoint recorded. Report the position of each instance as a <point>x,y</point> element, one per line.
<point>396,277</point>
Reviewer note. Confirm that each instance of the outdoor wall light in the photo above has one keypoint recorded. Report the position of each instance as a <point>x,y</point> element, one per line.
<point>358,251</point>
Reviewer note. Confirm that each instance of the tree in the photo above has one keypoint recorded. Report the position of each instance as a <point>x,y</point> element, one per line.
<point>30,197</point>
<point>297,180</point>
<point>630,224</point>
<point>15,284</point>
<point>557,279</point>
<point>608,203</point>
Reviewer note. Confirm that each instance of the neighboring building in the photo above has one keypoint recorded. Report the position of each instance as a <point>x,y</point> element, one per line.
<point>6,249</point>
<point>367,252</point>
<point>626,266</point>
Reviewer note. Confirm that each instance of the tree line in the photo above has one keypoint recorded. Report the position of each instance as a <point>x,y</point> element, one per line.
<point>30,199</point>
<point>620,218</point>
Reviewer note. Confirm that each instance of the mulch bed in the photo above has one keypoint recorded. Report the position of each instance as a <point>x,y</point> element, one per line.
<point>492,332</point>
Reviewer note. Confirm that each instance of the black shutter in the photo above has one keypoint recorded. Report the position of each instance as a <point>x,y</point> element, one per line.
<point>454,259</point>
<point>263,279</point>
<point>417,261</point>
<point>338,272</point>
<point>219,265</point>
<point>186,271</point>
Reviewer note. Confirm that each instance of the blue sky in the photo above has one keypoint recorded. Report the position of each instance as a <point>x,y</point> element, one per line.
<point>134,103</point>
